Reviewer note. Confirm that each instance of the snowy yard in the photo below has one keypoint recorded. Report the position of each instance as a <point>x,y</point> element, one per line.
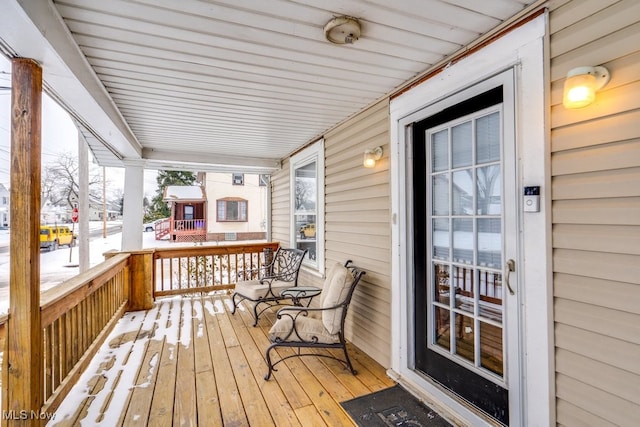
<point>62,264</point>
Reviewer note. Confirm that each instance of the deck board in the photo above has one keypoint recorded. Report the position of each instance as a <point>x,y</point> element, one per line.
<point>185,391</point>
<point>197,364</point>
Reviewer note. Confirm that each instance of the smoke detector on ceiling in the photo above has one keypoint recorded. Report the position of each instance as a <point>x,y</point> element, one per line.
<point>342,30</point>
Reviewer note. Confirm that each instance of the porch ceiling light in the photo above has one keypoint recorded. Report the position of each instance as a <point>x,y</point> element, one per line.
<point>581,85</point>
<point>342,30</point>
<point>372,156</point>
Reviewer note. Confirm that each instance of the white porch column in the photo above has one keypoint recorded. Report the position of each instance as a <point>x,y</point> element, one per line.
<point>84,256</point>
<point>133,209</point>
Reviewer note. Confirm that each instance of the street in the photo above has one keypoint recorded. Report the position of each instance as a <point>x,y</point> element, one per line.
<point>62,264</point>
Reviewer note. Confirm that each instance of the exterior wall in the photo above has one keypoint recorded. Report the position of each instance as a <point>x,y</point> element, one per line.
<point>357,224</point>
<point>357,218</point>
<point>595,164</point>
<point>280,206</point>
<point>50,214</point>
<point>95,214</point>
<point>219,186</point>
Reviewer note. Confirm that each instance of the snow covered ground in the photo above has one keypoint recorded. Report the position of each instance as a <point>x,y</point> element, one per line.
<point>164,321</point>
<point>60,265</point>
<point>169,323</point>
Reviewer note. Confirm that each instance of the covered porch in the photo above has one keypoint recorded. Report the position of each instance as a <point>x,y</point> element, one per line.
<point>249,87</point>
<point>148,338</point>
<point>188,360</point>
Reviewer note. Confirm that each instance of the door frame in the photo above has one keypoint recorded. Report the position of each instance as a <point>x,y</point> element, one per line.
<point>523,51</point>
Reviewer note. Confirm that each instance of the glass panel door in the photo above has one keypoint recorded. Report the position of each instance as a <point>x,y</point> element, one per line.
<point>464,223</point>
<point>465,291</point>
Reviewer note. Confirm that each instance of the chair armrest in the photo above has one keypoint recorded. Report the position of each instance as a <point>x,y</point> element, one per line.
<point>317,309</point>
<point>295,311</point>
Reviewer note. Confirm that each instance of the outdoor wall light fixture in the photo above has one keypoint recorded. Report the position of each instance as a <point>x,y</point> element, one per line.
<point>372,156</point>
<point>342,30</point>
<point>581,85</point>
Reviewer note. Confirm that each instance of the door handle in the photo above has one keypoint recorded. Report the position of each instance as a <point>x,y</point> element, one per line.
<point>511,266</point>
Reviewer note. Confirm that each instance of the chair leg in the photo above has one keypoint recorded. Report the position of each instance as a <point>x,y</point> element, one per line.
<point>236,304</point>
<point>271,368</point>
<point>233,301</point>
<point>346,358</point>
<point>255,313</point>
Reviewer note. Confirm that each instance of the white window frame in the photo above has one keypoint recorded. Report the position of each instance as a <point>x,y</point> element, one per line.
<point>241,210</point>
<point>313,153</point>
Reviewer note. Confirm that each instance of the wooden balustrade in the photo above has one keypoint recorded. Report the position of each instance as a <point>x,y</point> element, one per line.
<point>489,283</point>
<point>77,315</point>
<point>162,228</point>
<point>185,230</point>
<point>204,268</point>
<point>190,225</point>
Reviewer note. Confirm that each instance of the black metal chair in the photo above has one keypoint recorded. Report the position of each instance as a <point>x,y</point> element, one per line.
<point>311,328</point>
<point>264,285</point>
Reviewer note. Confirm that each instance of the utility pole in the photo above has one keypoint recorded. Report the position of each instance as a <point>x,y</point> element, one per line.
<point>104,202</point>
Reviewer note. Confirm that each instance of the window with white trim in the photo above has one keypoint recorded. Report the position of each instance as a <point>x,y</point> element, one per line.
<point>307,204</point>
<point>231,210</point>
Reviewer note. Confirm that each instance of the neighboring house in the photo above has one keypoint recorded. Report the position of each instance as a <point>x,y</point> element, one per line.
<point>52,214</point>
<point>237,206</point>
<point>188,205</point>
<point>96,213</point>
<point>229,207</point>
<point>4,206</point>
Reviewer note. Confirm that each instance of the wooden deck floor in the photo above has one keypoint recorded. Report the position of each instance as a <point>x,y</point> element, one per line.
<point>188,361</point>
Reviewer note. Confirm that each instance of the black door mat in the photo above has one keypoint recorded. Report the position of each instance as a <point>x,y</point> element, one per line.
<point>393,406</point>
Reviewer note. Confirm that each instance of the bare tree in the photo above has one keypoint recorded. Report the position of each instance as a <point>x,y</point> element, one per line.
<point>304,192</point>
<point>60,182</point>
<point>488,180</point>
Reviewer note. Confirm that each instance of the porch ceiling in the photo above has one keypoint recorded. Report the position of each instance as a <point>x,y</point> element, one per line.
<point>230,84</point>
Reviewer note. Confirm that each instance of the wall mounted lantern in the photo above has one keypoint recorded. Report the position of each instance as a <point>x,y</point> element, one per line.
<point>581,85</point>
<point>372,156</point>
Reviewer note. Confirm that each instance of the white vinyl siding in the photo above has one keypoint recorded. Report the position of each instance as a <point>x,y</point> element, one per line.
<point>595,166</point>
<point>357,223</point>
<point>280,205</point>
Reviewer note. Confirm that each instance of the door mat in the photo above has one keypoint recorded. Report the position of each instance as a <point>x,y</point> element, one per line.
<point>393,406</point>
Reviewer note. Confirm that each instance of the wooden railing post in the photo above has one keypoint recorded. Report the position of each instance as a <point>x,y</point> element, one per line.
<point>141,280</point>
<point>23,384</point>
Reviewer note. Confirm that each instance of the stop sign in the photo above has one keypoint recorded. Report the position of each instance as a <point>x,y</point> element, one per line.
<point>74,215</point>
